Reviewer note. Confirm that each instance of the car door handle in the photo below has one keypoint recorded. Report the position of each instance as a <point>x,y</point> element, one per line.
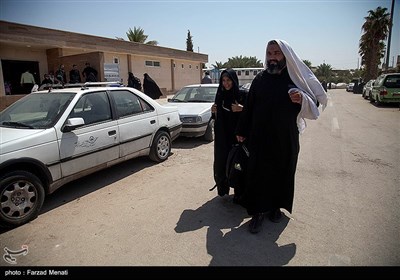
<point>112,132</point>
<point>152,121</point>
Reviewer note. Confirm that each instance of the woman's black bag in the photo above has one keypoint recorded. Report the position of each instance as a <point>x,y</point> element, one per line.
<point>236,165</point>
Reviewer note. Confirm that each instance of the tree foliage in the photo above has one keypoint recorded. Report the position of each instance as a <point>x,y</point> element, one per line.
<point>239,62</point>
<point>189,42</point>
<point>324,72</point>
<point>137,35</point>
<point>307,62</point>
<point>372,46</point>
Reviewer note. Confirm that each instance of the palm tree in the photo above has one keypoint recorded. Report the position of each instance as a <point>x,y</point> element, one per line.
<point>371,48</point>
<point>324,72</point>
<point>218,65</point>
<point>243,62</point>
<point>307,62</point>
<point>137,35</point>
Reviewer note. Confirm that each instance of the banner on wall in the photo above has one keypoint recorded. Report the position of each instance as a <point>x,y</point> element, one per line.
<point>111,72</point>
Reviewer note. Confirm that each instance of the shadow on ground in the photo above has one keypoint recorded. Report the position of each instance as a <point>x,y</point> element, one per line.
<point>228,240</point>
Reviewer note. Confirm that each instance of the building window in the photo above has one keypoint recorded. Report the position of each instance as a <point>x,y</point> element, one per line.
<point>182,66</point>
<point>116,60</point>
<point>197,66</point>
<point>239,73</point>
<point>255,73</point>
<point>190,66</point>
<point>247,72</point>
<point>152,63</point>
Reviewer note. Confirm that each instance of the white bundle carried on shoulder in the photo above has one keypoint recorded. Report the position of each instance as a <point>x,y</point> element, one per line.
<point>35,88</point>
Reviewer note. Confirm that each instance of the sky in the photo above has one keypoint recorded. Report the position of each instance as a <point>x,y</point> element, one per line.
<point>324,31</point>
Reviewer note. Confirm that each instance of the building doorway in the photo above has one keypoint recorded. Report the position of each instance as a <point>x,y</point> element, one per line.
<point>12,71</point>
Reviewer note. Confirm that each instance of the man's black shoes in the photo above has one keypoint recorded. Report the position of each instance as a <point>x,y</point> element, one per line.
<point>256,223</point>
<point>275,215</point>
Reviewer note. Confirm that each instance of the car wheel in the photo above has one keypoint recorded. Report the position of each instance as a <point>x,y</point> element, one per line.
<point>161,147</point>
<point>209,135</point>
<point>371,99</point>
<point>22,195</point>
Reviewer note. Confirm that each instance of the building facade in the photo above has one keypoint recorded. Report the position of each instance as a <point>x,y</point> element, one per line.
<point>43,50</point>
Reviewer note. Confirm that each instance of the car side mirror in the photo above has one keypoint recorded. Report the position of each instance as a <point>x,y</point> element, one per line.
<point>72,124</point>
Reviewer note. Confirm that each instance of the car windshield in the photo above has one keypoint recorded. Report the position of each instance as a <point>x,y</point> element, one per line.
<point>36,110</point>
<point>195,94</point>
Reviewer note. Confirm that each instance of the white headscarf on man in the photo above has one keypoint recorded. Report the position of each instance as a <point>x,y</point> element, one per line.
<point>306,82</point>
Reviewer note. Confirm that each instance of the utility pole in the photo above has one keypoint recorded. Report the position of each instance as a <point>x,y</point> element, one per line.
<point>390,36</point>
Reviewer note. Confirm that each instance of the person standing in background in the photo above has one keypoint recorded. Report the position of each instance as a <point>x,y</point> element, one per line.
<point>134,82</point>
<point>74,75</point>
<point>61,77</point>
<point>150,87</point>
<point>207,79</point>
<point>89,73</point>
<point>46,80</point>
<point>27,81</point>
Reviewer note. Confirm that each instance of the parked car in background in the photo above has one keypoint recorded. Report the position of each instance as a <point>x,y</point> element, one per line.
<point>367,89</point>
<point>331,85</point>
<point>386,89</point>
<point>245,87</point>
<point>52,137</point>
<point>194,104</point>
<point>350,87</point>
<point>341,86</point>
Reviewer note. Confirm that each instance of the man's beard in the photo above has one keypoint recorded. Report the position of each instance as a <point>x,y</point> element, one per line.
<point>275,66</point>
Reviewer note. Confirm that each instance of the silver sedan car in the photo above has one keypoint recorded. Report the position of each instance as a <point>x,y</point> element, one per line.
<point>194,105</point>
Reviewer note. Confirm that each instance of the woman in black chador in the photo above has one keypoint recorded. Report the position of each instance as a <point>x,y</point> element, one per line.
<point>150,87</point>
<point>226,111</point>
<point>134,82</point>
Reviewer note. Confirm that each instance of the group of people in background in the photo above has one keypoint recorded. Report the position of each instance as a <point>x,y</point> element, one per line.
<point>89,74</point>
<point>150,87</point>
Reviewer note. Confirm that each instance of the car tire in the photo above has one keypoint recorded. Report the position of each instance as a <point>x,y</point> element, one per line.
<point>161,147</point>
<point>22,196</point>
<point>209,135</point>
<point>371,99</point>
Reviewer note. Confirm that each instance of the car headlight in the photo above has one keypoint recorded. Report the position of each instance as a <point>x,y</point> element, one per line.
<point>190,119</point>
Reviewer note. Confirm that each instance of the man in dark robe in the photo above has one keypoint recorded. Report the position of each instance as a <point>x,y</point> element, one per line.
<point>271,120</point>
<point>89,73</point>
<point>150,87</point>
<point>74,75</point>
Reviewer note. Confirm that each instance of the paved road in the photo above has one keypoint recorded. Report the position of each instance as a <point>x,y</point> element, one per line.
<point>346,208</point>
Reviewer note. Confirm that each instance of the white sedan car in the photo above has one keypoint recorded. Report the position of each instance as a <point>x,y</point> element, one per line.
<point>52,137</point>
<point>194,104</point>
